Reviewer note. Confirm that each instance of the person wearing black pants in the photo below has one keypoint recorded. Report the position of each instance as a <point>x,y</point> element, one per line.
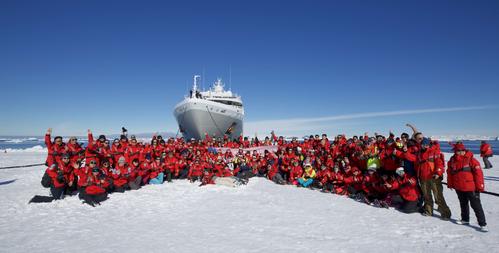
<point>466,177</point>
<point>471,198</point>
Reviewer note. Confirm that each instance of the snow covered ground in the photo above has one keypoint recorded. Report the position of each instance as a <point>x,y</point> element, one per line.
<point>259,217</point>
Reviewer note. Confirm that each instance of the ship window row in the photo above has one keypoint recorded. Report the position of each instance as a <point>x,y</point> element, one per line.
<point>228,102</point>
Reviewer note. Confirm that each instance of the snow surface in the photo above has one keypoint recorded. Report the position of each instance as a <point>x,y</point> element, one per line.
<point>259,217</point>
<point>34,149</point>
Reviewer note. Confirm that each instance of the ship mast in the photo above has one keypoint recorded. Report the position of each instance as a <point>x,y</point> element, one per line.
<point>195,85</point>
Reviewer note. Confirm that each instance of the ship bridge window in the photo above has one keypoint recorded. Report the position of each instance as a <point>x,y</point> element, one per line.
<point>228,102</point>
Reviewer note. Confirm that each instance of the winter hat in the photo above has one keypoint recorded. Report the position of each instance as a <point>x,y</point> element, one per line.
<point>373,167</point>
<point>425,142</point>
<point>459,147</point>
<point>102,137</point>
<point>400,171</point>
<point>373,162</point>
<point>121,159</point>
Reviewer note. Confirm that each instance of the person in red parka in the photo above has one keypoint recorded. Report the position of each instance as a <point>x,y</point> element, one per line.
<point>171,167</point>
<point>62,176</point>
<point>466,177</point>
<point>95,190</point>
<point>120,175</point>
<point>430,165</point>
<point>274,175</point>
<point>75,150</point>
<point>195,171</point>
<point>132,151</point>
<point>486,152</point>
<point>208,178</point>
<point>55,149</point>
<point>407,190</point>
<point>296,171</point>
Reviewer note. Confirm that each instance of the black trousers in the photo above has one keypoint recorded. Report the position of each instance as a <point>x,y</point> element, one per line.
<point>473,198</point>
<point>57,193</point>
<point>403,205</point>
<point>183,173</point>
<point>486,162</point>
<point>168,176</point>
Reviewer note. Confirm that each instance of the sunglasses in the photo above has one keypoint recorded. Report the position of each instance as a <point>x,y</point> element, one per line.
<point>93,163</point>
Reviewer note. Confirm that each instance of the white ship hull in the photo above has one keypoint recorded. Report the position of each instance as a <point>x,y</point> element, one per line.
<point>196,117</point>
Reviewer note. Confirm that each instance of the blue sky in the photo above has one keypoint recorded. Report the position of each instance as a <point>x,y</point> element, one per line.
<point>73,65</point>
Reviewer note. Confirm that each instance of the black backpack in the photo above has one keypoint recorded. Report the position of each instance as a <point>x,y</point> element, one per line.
<point>46,180</point>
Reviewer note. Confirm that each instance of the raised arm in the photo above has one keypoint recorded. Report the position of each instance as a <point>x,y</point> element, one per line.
<point>48,141</point>
<point>90,138</point>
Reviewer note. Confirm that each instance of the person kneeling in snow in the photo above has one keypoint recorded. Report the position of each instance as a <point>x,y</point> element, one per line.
<point>407,200</point>
<point>61,174</point>
<point>94,185</point>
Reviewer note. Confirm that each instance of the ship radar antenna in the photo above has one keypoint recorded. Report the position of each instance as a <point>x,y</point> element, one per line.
<point>195,83</point>
<point>202,80</point>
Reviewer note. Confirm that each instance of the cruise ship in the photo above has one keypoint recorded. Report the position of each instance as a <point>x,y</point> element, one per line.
<point>216,112</point>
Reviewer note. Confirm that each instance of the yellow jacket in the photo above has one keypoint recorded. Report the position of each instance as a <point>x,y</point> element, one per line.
<point>309,172</point>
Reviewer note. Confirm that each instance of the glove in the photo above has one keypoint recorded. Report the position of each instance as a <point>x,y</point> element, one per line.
<point>60,178</point>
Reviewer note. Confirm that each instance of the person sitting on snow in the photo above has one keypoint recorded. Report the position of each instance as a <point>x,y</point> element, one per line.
<point>308,176</point>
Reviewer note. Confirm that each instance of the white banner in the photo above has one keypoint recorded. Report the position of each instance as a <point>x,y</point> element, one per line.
<point>260,150</point>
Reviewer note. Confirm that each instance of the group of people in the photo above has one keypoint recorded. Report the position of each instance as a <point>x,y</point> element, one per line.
<point>404,172</point>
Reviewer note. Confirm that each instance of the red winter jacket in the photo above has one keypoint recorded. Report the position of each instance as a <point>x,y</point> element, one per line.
<point>427,163</point>
<point>155,168</point>
<point>207,179</point>
<point>75,151</point>
<point>295,173</point>
<point>196,170</point>
<point>388,160</point>
<point>54,151</point>
<point>273,171</point>
<point>65,170</point>
<point>486,150</point>
<point>132,152</point>
<point>96,184</point>
<point>464,173</point>
<point>120,175</point>
<point>357,181</point>
<point>171,164</point>
<point>407,186</point>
